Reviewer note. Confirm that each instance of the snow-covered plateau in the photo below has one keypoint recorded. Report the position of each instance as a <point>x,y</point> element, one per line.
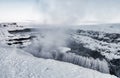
<point>46,51</point>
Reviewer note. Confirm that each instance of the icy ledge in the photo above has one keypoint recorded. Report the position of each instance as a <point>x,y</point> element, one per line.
<point>15,63</point>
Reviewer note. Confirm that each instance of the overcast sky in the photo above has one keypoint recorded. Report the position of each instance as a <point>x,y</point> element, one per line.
<point>60,11</point>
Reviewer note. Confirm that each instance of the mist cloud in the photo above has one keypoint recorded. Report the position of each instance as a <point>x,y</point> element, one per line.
<point>79,11</point>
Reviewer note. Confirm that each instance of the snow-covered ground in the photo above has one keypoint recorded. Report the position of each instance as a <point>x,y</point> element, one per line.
<point>109,28</point>
<point>26,48</point>
<point>15,63</point>
<point>97,45</point>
